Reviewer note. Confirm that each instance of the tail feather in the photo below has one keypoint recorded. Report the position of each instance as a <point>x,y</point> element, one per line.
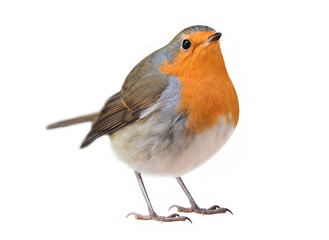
<point>68,122</point>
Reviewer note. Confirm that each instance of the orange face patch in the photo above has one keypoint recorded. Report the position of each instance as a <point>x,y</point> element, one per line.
<point>207,91</point>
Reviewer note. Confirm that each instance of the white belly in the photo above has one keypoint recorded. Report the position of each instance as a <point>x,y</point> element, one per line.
<point>201,149</point>
<point>143,148</point>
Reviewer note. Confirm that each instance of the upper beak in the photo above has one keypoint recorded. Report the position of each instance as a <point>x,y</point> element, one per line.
<point>214,37</point>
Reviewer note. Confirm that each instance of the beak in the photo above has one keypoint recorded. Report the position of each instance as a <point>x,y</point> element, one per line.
<point>214,37</point>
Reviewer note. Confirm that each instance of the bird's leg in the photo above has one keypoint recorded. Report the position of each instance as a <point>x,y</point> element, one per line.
<point>194,207</point>
<point>152,215</point>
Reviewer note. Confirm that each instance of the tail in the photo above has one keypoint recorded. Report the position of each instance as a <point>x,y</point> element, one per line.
<point>68,122</point>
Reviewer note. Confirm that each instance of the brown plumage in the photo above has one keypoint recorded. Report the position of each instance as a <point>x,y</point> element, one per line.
<point>114,115</point>
<point>138,93</point>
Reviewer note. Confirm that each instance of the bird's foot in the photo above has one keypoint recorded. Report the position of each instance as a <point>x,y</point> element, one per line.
<point>207,211</point>
<point>153,216</point>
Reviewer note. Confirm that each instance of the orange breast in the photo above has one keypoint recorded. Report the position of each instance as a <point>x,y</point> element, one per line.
<point>207,91</point>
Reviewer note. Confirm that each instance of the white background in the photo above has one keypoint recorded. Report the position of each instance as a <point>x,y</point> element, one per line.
<point>60,59</point>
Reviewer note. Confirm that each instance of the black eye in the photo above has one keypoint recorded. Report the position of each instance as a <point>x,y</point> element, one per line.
<point>186,44</point>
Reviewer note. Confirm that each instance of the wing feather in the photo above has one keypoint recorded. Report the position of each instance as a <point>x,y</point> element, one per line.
<point>112,117</point>
<point>141,89</point>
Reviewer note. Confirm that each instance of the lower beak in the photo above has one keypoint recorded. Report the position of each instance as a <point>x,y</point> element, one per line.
<point>214,37</point>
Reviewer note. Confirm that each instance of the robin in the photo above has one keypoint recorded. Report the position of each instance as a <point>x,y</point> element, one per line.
<point>176,109</point>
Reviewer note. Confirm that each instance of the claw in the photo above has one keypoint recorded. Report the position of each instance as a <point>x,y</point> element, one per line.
<point>129,214</point>
<point>228,210</point>
<point>172,206</point>
<point>186,218</point>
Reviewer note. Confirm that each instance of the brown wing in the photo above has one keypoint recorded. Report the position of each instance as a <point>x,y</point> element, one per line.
<point>114,115</point>
<point>141,89</point>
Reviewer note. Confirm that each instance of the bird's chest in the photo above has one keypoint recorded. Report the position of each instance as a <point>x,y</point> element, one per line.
<point>206,101</point>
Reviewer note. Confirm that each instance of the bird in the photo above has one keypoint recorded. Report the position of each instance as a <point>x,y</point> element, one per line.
<point>176,109</point>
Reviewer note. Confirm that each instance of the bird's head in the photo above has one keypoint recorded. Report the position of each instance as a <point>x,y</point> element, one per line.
<point>191,49</point>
